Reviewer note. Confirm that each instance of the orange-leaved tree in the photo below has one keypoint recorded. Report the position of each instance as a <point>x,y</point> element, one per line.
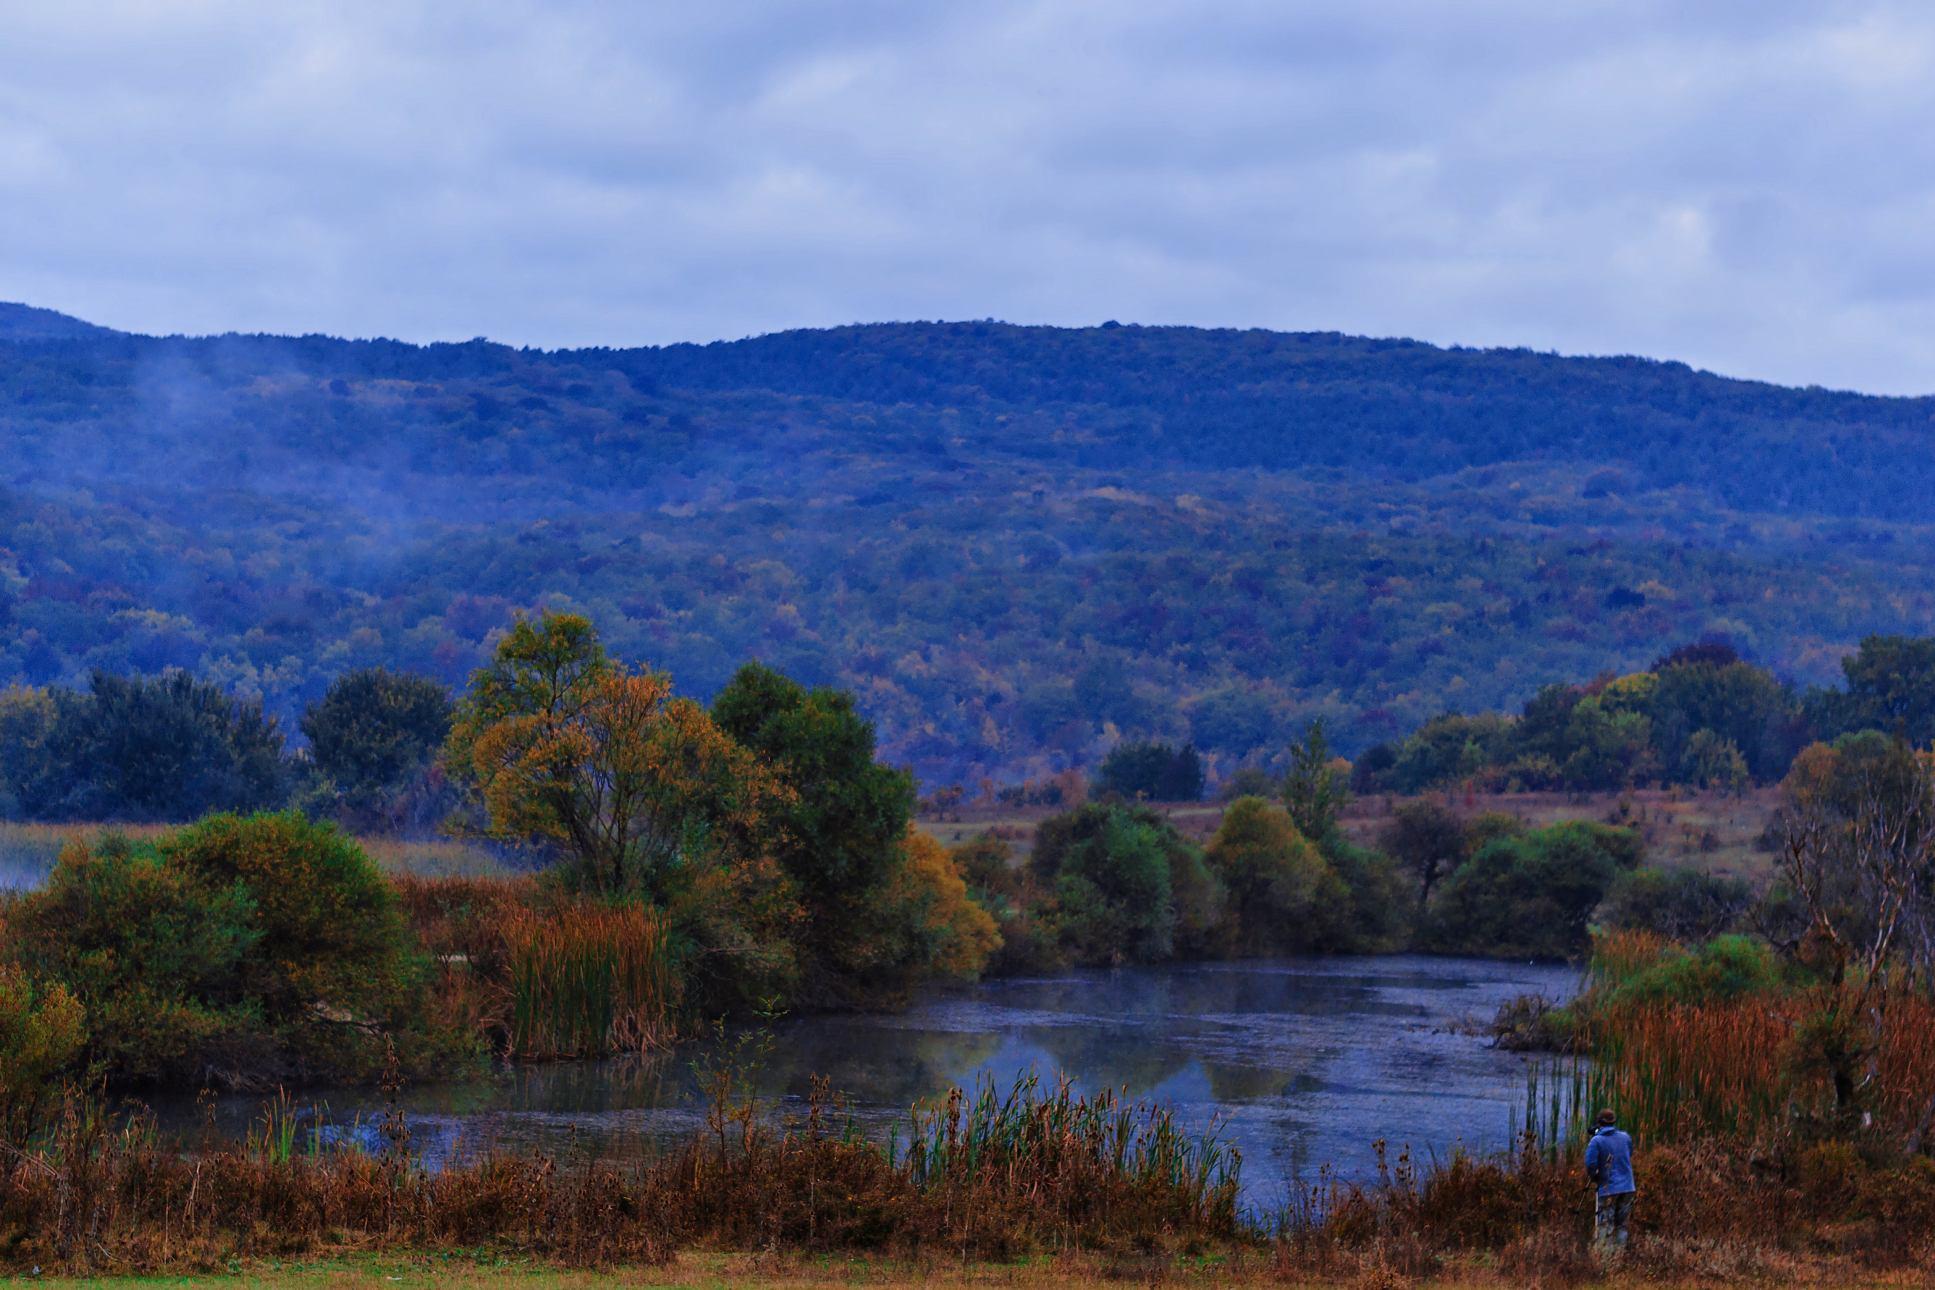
<point>631,783</point>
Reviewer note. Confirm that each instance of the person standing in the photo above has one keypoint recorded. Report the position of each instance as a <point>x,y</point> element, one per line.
<point>1609,1164</point>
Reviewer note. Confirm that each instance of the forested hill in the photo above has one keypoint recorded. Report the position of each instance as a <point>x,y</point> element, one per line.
<point>1016,543</point>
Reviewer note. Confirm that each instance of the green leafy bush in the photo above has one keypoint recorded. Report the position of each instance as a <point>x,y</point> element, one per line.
<point>240,951</point>
<point>1726,967</point>
<point>1529,895</point>
<point>1679,904</point>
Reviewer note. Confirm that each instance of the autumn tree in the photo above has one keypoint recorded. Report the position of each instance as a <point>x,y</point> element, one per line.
<point>568,747</point>
<point>950,935</point>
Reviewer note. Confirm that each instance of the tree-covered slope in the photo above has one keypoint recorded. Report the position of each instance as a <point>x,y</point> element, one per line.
<point>1012,542</point>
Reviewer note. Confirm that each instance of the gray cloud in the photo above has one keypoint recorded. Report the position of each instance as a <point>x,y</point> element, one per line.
<point>1746,186</point>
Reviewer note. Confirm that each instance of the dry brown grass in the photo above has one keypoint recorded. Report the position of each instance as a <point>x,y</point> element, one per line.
<point>98,1196</point>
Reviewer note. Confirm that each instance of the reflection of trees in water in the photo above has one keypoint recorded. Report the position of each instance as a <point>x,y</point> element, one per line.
<point>660,1079</point>
<point>870,1063</point>
<point>1118,1057</point>
<point>1243,1082</point>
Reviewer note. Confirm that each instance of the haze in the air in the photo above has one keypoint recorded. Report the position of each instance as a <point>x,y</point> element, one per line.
<point>1744,186</point>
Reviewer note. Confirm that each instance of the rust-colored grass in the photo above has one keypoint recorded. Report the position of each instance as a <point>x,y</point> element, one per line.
<point>1736,1068</point>
<point>545,975</point>
<point>587,980</point>
<point>99,1196</point>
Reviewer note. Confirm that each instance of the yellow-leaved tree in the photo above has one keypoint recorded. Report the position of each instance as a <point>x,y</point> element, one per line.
<point>630,782</point>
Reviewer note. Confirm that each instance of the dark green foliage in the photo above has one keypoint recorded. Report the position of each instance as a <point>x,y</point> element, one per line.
<point>1444,750</point>
<point>1679,904</point>
<point>1128,887</point>
<point>1738,703</point>
<point>1530,895</point>
<point>375,731</point>
<point>1890,688</point>
<point>841,835</point>
<point>1364,905</point>
<point>1159,772</point>
<point>139,748</point>
<point>240,951</point>
<point>1114,890</point>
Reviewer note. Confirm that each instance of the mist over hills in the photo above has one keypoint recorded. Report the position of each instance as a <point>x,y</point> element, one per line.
<point>1015,543</point>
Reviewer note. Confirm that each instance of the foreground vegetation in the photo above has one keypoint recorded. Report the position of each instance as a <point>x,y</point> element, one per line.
<point>1033,1174</point>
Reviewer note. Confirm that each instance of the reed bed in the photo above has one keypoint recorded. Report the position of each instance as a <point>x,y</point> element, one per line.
<point>1045,1172</point>
<point>1087,1156</point>
<point>587,980</point>
<point>1731,1069</point>
<point>546,975</point>
<point>436,857</point>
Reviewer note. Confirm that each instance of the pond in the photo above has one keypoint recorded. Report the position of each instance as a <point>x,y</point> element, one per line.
<point>1302,1062</point>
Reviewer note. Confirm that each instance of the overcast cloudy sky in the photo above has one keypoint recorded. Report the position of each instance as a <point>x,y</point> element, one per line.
<point>1747,186</point>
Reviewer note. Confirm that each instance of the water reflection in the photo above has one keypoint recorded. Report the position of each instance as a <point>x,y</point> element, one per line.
<point>1305,1062</point>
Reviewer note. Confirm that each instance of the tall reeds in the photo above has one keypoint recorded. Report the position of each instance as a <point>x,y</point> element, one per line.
<point>1086,1156</point>
<point>993,1178</point>
<point>546,975</point>
<point>1734,1069</point>
<point>588,980</point>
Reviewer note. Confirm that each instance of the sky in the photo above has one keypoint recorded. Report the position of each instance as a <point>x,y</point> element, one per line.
<point>1748,187</point>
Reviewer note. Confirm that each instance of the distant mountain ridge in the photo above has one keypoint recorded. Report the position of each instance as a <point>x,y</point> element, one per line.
<point>1017,544</point>
<point>26,322</point>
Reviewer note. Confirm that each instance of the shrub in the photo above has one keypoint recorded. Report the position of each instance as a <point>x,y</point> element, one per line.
<point>240,950</point>
<point>152,953</point>
<point>1679,904</point>
<point>1530,896</point>
<point>1727,967</point>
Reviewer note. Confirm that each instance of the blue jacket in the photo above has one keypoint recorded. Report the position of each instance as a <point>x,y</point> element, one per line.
<point>1609,1161</point>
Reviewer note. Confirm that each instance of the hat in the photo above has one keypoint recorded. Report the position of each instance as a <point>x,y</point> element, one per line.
<point>1606,1116</point>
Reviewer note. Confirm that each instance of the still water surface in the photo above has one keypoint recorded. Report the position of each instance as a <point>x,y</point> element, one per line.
<point>1302,1062</point>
